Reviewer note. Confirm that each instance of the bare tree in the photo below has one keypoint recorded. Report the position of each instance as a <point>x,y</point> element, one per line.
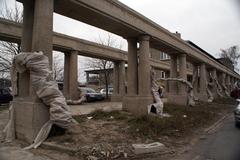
<point>104,66</point>
<point>58,67</point>
<point>232,54</point>
<point>9,50</point>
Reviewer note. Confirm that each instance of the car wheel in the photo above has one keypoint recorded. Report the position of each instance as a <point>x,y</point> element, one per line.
<point>87,98</point>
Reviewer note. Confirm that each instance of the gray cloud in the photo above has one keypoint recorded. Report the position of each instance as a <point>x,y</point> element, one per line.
<point>210,24</point>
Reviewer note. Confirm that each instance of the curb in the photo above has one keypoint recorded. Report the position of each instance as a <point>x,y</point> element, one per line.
<point>60,148</point>
<point>216,125</point>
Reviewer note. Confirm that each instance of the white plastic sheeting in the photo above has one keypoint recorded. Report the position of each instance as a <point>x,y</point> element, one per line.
<point>9,130</point>
<point>158,102</point>
<point>210,95</point>
<point>191,97</point>
<point>46,89</point>
<point>225,89</point>
<point>77,102</point>
<point>219,88</point>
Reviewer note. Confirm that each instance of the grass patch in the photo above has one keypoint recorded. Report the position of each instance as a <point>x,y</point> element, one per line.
<point>182,122</point>
<point>101,115</point>
<point>230,101</point>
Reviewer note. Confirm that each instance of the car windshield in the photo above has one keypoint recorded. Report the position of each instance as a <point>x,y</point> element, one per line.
<point>88,90</point>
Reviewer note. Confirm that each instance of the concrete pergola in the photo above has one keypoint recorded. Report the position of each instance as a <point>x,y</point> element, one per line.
<point>113,16</point>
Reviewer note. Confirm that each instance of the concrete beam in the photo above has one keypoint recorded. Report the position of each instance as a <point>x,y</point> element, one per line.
<point>12,31</point>
<point>118,18</point>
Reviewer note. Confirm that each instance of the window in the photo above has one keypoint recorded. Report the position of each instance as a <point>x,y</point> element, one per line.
<point>163,74</point>
<point>164,56</point>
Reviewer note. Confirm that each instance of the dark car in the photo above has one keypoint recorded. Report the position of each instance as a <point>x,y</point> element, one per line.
<point>237,114</point>
<point>5,95</point>
<point>91,95</point>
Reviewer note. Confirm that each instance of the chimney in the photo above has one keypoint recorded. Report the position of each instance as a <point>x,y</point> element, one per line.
<point>178,34</point>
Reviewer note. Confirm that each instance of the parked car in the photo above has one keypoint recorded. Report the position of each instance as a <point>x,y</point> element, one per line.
<point>103,91</point>
<point>5,95</point>
<point>60,86</point>
<point>237,114</point>
<point>91,94</point>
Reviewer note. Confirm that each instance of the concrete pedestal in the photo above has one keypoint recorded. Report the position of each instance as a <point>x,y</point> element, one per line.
<point>116,98</point>
<point>29,118</point>
<point>137,105</point>
<point>177,99</point>
<point>202,97</point>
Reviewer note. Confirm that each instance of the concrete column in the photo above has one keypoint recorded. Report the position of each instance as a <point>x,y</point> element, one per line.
<point>116,79</point>
<point>26,46</point>
<point>195,83</point>
<point>228,83</point>
<point>173,74</point>
<point>122,75</point>
<point>71,76</point>
<point>43,28</point>
<point>37,36</point>
<point>223,78</point>
<point>182,73</point>
<point>132,72</point>
<point>232,82</point>
<point>203,83</point>
<point>138,97</point>
<point>144,85</point>
<point>119,81</point>
<point>167,73</point>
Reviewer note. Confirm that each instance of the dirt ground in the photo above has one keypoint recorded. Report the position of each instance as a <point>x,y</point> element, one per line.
<point>110,135</point>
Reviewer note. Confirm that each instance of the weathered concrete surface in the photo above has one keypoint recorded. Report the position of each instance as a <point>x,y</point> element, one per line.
<point>11,31</point>
<point>137,104</point>
<point>182,73</point>
<point>29,118</point>
<point>203,83</point>
<point>12,151</point>
<point>144,83</point>
<point>117,18</point>
<point>178,99</point>
<point>132,72</point>
<point>30,113</point>
<point>148,148</point>
<point>70,87</point>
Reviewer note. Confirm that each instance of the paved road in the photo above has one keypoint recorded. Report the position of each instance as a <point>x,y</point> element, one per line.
<point>224,144</point>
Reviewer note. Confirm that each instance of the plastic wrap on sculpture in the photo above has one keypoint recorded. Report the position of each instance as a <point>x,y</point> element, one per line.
<point>47,90</point>
<point>225,89</point>
<point>219,88</point>
<point>191,97</point>
<point>9,130</point>
<point>77,102</point>
<point>195,77</point>
<point>210,95</point>
<point>158,105</point>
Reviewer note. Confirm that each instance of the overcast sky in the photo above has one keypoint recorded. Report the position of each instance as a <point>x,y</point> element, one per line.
<point>211,24</point>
